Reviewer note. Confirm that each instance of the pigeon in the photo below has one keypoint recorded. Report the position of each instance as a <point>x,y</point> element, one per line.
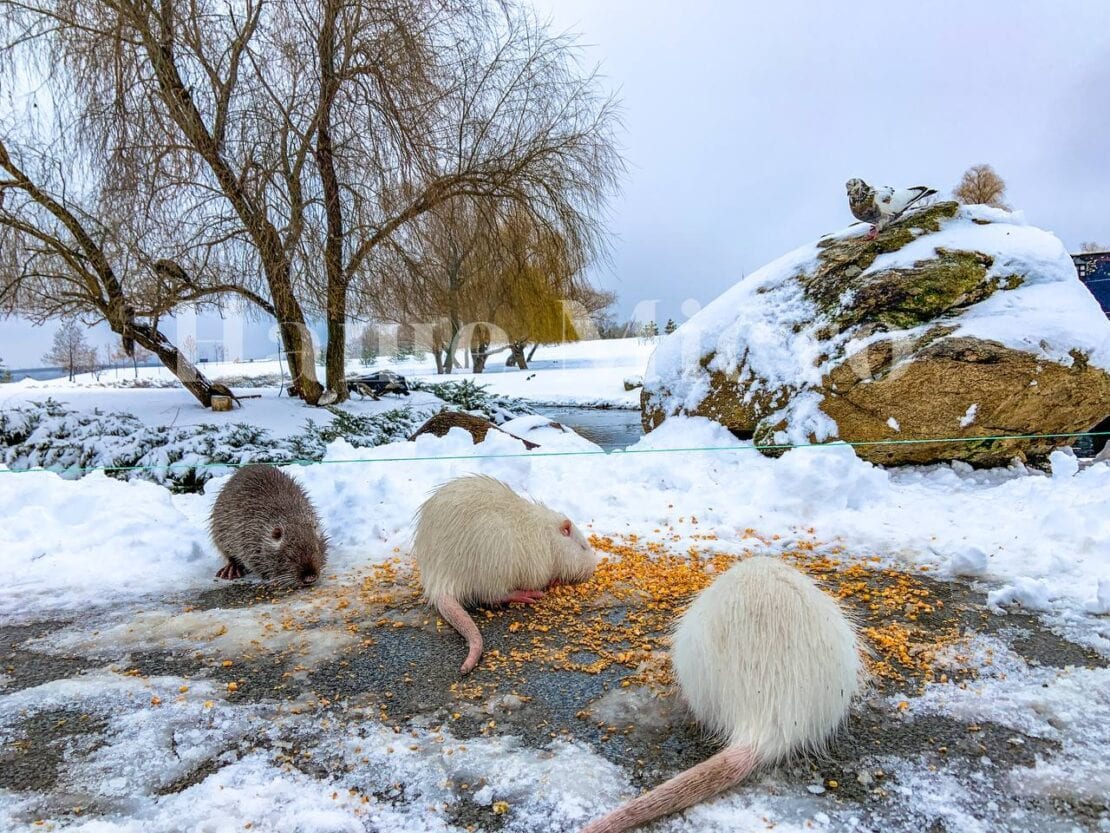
<point>883,206</point>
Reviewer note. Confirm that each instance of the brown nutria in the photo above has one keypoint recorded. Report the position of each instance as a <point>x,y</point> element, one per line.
<point>479,542</point>
<point>766,661</point>
<point>263,522</point>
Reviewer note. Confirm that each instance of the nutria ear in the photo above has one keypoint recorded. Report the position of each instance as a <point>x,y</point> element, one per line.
<point>276,533</point>
<point>565,526</point>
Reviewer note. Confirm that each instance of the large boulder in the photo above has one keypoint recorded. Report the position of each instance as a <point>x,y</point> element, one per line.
<point>959,322</point>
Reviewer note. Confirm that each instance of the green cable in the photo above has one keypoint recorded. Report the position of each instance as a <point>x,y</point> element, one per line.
<point>534,454</point>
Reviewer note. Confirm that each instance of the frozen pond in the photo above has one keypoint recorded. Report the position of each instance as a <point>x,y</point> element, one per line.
<point>610,428</point>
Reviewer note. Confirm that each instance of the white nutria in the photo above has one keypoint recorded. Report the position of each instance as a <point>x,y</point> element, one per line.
<point>477,542</point>
<point>767,662</point>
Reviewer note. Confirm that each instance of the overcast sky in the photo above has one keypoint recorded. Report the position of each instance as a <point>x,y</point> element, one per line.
<point>745,119</point>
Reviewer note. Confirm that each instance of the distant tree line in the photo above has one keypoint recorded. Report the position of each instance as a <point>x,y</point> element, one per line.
<point>981,185</point>
<point>433,162</point>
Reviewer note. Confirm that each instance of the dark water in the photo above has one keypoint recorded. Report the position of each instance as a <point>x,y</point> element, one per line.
<point>40,374</point>
<point>608,427</point>
<point>43,374</point>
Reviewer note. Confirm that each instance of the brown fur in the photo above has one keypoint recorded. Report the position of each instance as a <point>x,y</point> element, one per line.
<point>263,522</point>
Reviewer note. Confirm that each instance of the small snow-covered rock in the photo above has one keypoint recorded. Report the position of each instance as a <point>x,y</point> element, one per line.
<point>1064,463</point>
<point>968,562</point>
<point>1100,605</point>
<point>1031,594</point>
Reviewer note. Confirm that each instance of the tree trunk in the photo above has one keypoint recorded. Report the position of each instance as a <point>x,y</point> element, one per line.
<point>453,344</point>
<point>516,355</point>
<point>297,343</point>
<point>336,374</point>
<point>336,351</point>
<point>532,352</point>
<point>480,353</point>
<point>152,339</point>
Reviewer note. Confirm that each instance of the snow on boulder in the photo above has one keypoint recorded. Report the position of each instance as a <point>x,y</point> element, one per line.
<point>957,322</point>
<point>1063,462</point>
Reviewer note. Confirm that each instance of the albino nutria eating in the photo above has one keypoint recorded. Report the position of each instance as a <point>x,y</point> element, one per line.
<point>478,542</point>
<point>766,661</point>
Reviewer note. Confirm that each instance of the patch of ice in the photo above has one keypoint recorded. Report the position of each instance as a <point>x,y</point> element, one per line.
<point>969,415</point>
<point>1069,706</point>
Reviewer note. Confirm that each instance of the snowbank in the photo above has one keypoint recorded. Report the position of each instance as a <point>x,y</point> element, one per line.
<point>65,545</point>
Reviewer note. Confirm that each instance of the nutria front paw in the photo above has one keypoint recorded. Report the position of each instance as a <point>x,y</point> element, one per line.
<point>526,597</point>
<point>230,571</point>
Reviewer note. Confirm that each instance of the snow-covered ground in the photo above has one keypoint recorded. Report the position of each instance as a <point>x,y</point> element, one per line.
<point>115,578</point>
<point>1033,539</point>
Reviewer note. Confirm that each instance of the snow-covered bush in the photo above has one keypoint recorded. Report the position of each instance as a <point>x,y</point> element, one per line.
<point>475,399</point>
<point>47,435</point>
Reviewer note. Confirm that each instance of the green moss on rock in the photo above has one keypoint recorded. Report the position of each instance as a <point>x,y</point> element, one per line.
<point>899,299</point>
<point>844,260</point>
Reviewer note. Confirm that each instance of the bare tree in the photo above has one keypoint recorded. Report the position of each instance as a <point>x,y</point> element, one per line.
<point>137,355</point>
<point>1091,246</point>
<point>84,228</point>
<point>167,101</point>
<point>273,131</point>
<point>431,276</point>
<point>494,114</point>
<point>486,283</point>
<point>70,351</point>
<point>981,185</point>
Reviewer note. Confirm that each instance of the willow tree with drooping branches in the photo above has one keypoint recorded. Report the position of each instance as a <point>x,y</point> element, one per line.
<point>150,183</point>
<point>463,276</point>
<point>262,152</point>
<point>497,115</point>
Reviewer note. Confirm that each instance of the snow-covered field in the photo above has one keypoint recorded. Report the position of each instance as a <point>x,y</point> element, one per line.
<point>112,580</point>
<point>587,373</point>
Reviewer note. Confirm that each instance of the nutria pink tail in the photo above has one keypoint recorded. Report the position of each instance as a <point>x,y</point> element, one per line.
<point>725,769</point>
<point>460,620</point>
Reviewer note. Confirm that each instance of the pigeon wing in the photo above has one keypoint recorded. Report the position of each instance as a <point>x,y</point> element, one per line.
<point>903,198</point>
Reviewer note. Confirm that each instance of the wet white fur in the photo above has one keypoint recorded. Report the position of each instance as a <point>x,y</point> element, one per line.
<point>767,661</point>
<point>477,541</point>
